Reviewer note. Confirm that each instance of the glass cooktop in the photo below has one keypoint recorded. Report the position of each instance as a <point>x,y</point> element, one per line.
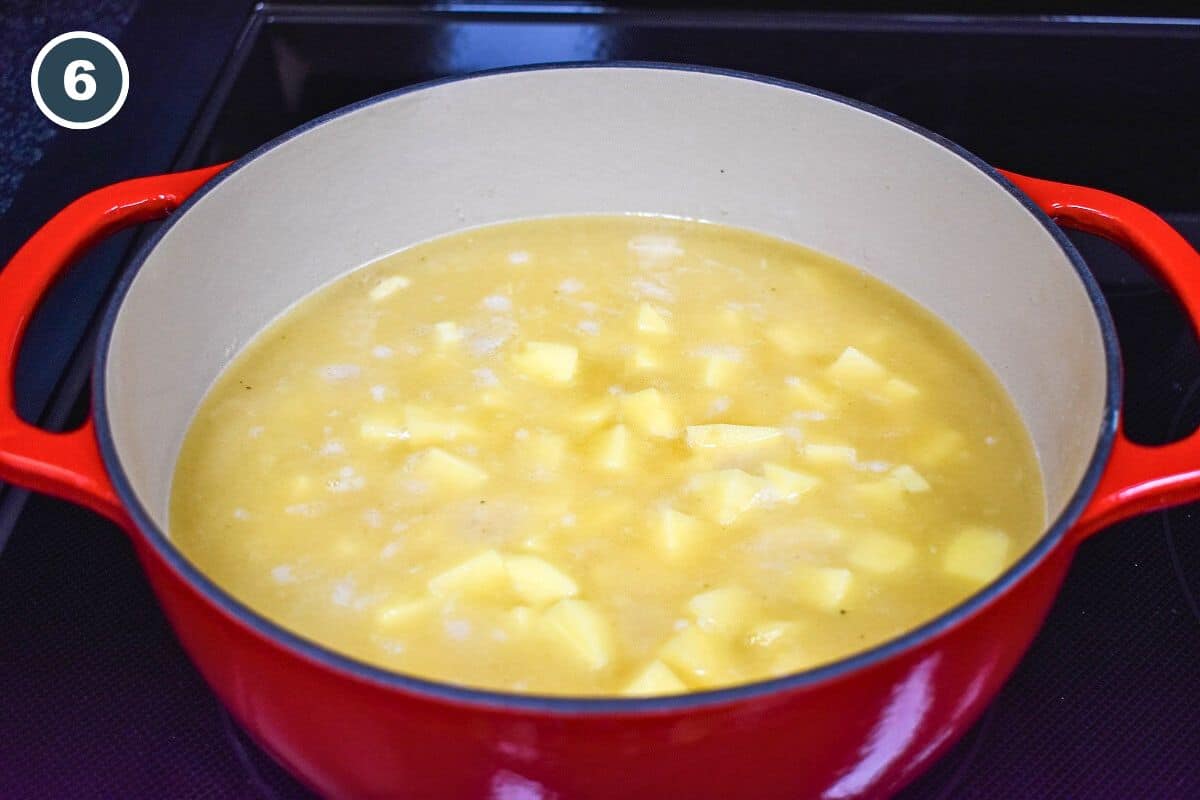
<point>97,699</point>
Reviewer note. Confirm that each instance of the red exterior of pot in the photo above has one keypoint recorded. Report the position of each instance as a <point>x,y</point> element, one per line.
<point>863,734</point>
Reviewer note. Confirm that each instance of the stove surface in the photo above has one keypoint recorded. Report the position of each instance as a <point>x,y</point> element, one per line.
<point>99,700</point>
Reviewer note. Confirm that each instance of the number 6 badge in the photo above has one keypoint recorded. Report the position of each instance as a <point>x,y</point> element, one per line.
<point>80,80</point>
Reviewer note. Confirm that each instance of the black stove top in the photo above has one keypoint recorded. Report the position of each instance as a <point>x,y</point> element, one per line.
<point>98,699</point>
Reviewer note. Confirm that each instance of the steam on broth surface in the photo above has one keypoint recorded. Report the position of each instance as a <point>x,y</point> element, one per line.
<point>605,455</point>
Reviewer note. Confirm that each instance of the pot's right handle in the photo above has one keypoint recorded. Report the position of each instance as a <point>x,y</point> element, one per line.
<point>68,465</point>
<point>1138,478</point>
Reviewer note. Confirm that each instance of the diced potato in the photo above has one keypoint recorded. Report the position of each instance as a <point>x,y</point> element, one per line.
<point>825,588</point>
<point>722,435</point>
<point>939,447</point>
<point>727,610</point>
<point>446,471</point>
<point>855,368</point>
<point>726,494</point>
<point>881,553</point>
<point>700,657</point>
<point>543,450</point>
<point>792,341</point>
<point>899,390</point>
<point>479,575</point>
<point>582,629</point>
<point>883,494</point>
<point>811,397</point>
<point>773,634</point>
<point>592,415</point>
<point>977,554</point>
<point>537,581</point>
<point>650,320</point>
<point>790,484</point>
<point>677,533</point>
<point>657,678</point>
<point>613,449</point>
<point>403,612</point>
<point>718,371</point>
<point>830,454</point>
<point>910,479</point>
<point>425,426</point>
<point>644,359</point>
<point>388,287</point>
<point>650,412</point>
<point>446,333</point>
<point>548,362</point>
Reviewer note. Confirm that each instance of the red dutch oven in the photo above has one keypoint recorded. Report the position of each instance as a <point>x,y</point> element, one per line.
<point>976,246</point>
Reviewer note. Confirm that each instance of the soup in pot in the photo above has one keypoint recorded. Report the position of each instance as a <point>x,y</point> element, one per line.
<point>605,455</point>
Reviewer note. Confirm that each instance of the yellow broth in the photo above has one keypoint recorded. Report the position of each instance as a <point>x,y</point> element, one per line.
<point>605,455</point>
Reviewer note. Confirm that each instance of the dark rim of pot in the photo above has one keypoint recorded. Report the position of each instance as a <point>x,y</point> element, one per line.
<point>606,705</point>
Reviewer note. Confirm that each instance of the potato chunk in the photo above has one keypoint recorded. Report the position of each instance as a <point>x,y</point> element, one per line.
<point>789,484</point>
<point>613,449</point>
<point>446,471</point>
<point>544,451</point>
<point>910,479</point>
<point>402,612</point>
<point>727,610</point>
<point>855,368</point>
<point>830,454</point>
<point>479,575</point>
<point>825,588</point>
<point>718,371</point>
<point>676,533</point>
<point>644,359</point>
<point>548,362</point>
<point>592,415</point>
<point>773,634</point>
<point>651,413</point>
<point>883,494</point>
<point>977,554</point>
<point>425,426</point>
<point>792,341</point>
<point>582,630</point>
<point>899,390</point>
<point>809,396</point>
<point>650,320</point>
<point>726,494</point>
<point>702,658</point>
<point>657,678</point>
<point>537,581</point>
<point>700,437</point>
<point>881,553</point>
<point>939,447</point>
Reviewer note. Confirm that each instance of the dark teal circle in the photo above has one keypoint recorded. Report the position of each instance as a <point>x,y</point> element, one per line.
<point>107,74</point>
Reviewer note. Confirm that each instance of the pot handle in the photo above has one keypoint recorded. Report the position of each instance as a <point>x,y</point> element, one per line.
<point>1138,478</point>
<point>69,465</point>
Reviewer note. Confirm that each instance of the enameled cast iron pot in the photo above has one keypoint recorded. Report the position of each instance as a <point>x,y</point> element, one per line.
<point>974,245</point>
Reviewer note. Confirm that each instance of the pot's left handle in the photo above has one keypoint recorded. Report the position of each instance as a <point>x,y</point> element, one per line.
<point>68,465</point>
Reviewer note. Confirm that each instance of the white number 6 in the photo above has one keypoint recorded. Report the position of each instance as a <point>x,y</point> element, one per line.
<point>76,74</point>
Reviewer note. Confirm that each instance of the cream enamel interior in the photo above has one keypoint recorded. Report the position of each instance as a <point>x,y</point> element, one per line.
<point>605,140</point>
